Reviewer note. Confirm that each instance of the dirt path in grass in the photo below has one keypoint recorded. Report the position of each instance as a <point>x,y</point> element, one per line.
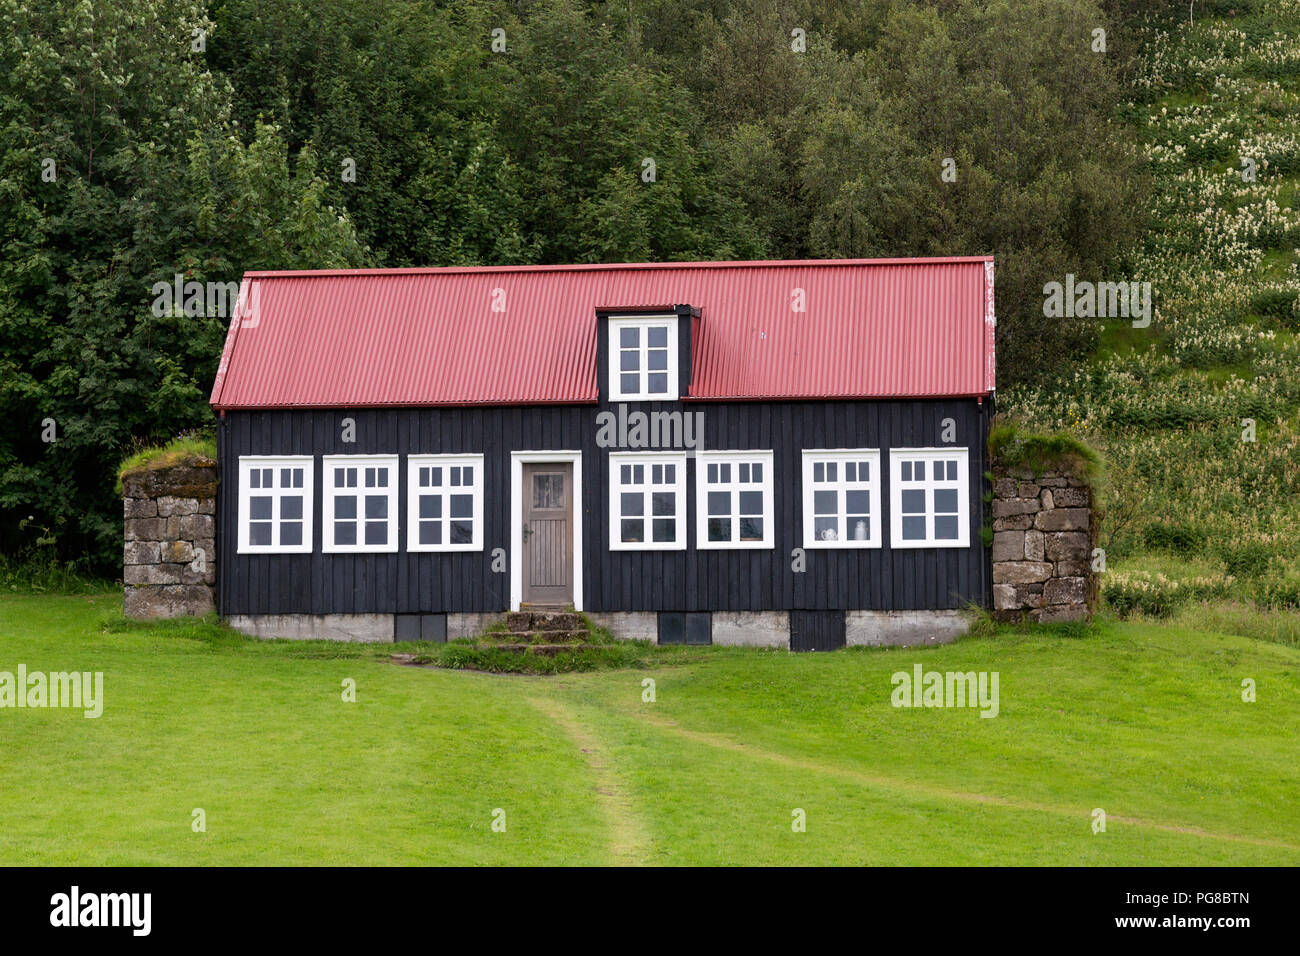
<point>629,842</point>
<point>901,785</point>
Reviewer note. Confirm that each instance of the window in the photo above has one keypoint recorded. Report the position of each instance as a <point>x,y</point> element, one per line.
<point>733,499</point>
<point>445,502</point>
<point>275,505</point>
<point>929,495</point>
<point>647,502</point>
<point>360,513</point>
<point>643,358</point>
<point>841,499</point>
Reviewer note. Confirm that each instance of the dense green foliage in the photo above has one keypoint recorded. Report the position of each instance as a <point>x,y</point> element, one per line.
<point>207,138</point>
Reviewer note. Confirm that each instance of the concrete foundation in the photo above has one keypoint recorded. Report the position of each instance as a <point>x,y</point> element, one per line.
<point>752,628</point>
<point>471,623</point>
<point>628,625</point>
<point>363,628</point>
<point>903,628</point>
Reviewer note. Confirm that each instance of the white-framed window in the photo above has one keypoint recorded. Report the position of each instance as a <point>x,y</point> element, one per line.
<point>647,501</point>
<point>360,504</point>
<point>733,499</point>
<point>841,498</point>
<point>930,506</point>
<point>643,358</point>
<point>444,502</point>
<point>275,504</point>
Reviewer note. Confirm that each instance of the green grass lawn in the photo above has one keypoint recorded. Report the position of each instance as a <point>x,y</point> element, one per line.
<point>1145,722</point>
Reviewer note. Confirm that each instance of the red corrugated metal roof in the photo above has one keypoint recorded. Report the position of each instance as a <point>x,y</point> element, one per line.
<point>872,328</point>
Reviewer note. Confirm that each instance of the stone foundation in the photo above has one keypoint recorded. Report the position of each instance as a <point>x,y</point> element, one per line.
<point>169,556</point>
<point>1043,532</point>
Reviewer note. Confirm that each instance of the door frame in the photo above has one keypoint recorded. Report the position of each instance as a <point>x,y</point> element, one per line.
<point>517,460</point>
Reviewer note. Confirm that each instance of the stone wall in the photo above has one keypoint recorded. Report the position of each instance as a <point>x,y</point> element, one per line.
<point>169,556</point>
<point>1043,533</point>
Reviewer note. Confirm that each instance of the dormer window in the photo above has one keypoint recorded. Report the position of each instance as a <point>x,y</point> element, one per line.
<point>643,358</point>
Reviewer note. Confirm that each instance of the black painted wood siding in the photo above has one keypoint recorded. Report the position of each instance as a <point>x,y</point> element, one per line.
<point>690,580</point>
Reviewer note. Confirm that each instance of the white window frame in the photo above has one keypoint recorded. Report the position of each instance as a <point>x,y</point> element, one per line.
<point>646,489</point>
<point>413,491</point>
<point>330,494</point>
<point>615,325</point>
<point>702,487</point>
<point>246,465</point>
<point>842,457</point>
<point>897,486</point>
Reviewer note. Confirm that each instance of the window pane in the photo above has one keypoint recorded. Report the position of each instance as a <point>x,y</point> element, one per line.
<point>259,508</point>
<point>297,477</point>
<point>467,475</point>
<point>826,529</point>
<point>629,338</point>
<point>370,477</point>
<point>857,502</point>
<point>658,384</point>
<point>719,503</point>
<point>430,506</point>
<point>751,529</point>
<point>945,501</point>
<point>435,477</point>
<point>631,505</point>
<point>625,474</point>
<point>632,529</point>
<point>665,529</point>
<point>629,361</point>
<point>259,533</point>
<point>657,336</point>
<point>462,506</point>
<point>832,471</point>
<point>430,532</point>
<point>663,503</point>
<point>719,529</point>
<point>861,529</point>
<point>381,478</point>
<point>819,471</point>
<point>454,475</point>
<point>340,476</point>
<point>952,471</point>
<point>345,532</point>
<point>376,532</point>
<point>548,491</point>
<point>756,472</point>
<point>850,471</point>
<point>713,474</point>
<point>724,471</point>
<point>938,471</point>
<point>824,502</point>
<point>462,532</point>
<point>751,502</point>
<point>352,477</point>
<point>913,529</point>
<point>424,477</point>
<point>376,506</point>
<point>657,475</point>
<point>913,502</point>
<point>630,384</point>
<point>255,478</point>
<point>291,533</point>
<point>291,507</point>
<point>744,472</point>
<point>864,471</point>
<point>658,360</point>
<point>945,527</point>
<point>638,474</point>
<point>345,507</point>
<point>286,478</point>
<point>670,474</point>
<point>907,471</point>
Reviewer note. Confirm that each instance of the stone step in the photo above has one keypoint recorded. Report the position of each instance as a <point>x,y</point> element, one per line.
<point>534,621</point>
<point>570,636</point>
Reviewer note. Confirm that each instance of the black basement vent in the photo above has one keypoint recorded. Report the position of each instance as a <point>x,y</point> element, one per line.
<point>676,627</point>
<point>420,627</point>
<point>816,630</point>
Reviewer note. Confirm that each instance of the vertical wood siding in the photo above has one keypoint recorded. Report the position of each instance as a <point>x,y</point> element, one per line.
<point>690,580</point>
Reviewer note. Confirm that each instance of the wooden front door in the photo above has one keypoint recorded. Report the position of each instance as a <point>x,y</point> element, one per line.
<point>548,533</point>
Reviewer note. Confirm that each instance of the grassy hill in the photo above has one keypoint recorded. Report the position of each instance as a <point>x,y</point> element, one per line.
<point>1194,510</point>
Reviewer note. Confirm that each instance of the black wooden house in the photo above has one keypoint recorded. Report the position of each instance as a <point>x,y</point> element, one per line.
<point>755,452</point>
